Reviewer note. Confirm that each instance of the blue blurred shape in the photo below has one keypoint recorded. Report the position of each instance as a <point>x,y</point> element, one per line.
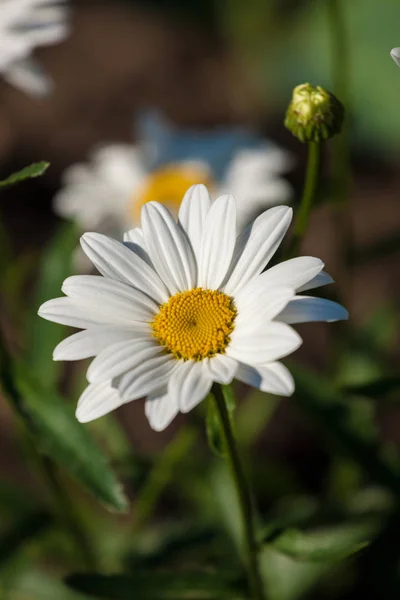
<point>166,143</point>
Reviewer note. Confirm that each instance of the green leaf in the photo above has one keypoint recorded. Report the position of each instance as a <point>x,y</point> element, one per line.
<point>67,442</point>
<point>32,584</point>
<point>154,585</point>
<point>162,473</point>
<point>324,544</point>
<point>348,424</point>
<point>214,431</point>
<point>215,435</point>
<point>43,336</point>
<point>287,578</point>
<point>385,386</point>
<point>24,530</point>
<point>229,398</point>
<point>34,170</point>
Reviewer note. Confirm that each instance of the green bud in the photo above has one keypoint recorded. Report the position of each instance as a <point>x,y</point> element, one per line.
<point>314,114</point>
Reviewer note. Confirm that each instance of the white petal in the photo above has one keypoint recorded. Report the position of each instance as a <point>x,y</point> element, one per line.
<point>116,298</point>
<point>121,358</point>
<point>147,377</point>
<point>323,278</point>
<point>218,242</point>
<point>307,308</point>
<point>168,248</point>
<point>160,410</point>
<point>293,273</point>
<point>256,245</point>
<point>189,384</point>
<point>264,343</point>
<point>120,165</point>
<point>28,75</point>
<point>67,312</point>
<point>117,262</point>
<point>90,342</point>
<point>258,301</point>
<point>395,54</point>
<point>273,378</point>
<point>134,240</point>
<point>97,400</point>
<point>192,214</point>
<point>222,368</point>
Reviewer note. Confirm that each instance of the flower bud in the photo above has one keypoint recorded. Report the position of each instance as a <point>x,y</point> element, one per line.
<point>314,114</point>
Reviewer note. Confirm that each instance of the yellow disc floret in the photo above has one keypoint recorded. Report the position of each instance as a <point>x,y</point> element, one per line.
<point>195,324</point>
<point>168,185</point>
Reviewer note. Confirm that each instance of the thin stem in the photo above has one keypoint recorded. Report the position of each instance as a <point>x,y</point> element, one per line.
<point>307,201</point>
<point>47,468</point>
<point>250,546</point>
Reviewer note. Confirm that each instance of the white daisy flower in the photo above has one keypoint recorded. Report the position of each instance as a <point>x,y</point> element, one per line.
<point>24,25</point>
<point>181,305</point>
<point>395,54</point>
<point>108,193</point>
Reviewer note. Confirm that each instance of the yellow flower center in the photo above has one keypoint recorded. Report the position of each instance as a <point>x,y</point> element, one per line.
<point>195,324</point>
<point>168,185</point>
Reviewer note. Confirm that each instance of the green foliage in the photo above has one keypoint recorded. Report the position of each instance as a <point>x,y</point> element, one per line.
<point>66,442</point>
<point>43,336</point>
<point>214,430</point>
<point>348,425</point>
<point>153,585</point>
<point>324,544</point>
<point>34,170</point>
<point>28,527</point>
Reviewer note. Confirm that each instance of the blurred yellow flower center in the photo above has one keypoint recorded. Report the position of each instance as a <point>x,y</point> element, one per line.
<point>168,185</point>
<point>195,324</point>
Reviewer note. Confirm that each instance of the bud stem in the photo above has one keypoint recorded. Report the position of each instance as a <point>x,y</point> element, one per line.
<point>307,201</point>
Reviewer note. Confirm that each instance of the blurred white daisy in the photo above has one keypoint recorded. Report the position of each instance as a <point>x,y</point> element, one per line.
<point>24,25</point>
<point>107,194</point>
<point>179,306</point>
<point>395,54</point>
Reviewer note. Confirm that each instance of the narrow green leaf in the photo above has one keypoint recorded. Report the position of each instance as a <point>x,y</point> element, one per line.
<point>287,578</point>
<point>324,544</point>
<point>215,435</point>
<point>43,336</point>
<point>162,473</point>
<point>379,388</point>
<point>348,425</point>
<point>154,585</point>
<point>66,441</point>
<point>24,530</point>
<point>229,398</point>
<point>34,170</point>
<point>32,584</point>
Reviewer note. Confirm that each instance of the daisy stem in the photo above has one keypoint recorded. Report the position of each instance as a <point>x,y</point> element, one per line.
<point>250,544</point>
<point>307,200</point>
<point>64,508</point>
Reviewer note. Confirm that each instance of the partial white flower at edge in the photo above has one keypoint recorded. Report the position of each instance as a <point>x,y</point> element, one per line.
<point>395,54</point>
<point>107,193</point>
<point>180,305</point>
<point>24,25</point>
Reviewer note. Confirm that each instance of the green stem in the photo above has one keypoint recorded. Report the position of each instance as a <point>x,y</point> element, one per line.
<point>250,545</point>
<point>307,201</point>
<point>63,507</point>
